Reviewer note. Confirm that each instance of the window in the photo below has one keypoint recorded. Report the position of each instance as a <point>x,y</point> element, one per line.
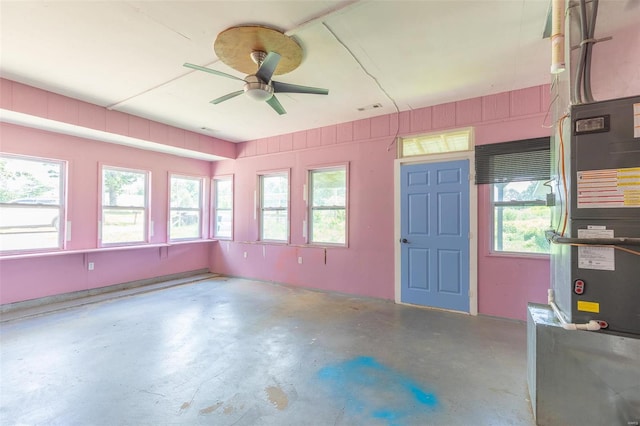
<point>436,143</point>
<point>31,203</point>
<point>520,217</point>
<point>274,207</point>
<point>517,172</point>
<point>124,206</point>
<point>328,206</point>
<point>186,208</point>
<point>223,207</point>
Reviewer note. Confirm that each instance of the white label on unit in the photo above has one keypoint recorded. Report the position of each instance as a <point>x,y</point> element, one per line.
<point>636,120</point>
<point>601,258</point>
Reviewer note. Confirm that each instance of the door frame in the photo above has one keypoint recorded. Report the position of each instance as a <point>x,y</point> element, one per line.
<point>473,221</point>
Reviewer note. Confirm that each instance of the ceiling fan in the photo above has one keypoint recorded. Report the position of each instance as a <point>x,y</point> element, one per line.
<point>259,86</point>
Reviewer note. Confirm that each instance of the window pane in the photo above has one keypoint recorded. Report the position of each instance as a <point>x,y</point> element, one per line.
<point>123,225</point>
<point>329,226</point>
<point>457,141</point>
<point>520,191</point>
<point>328,202</point>
<point>274,225</point>
<point>436,143</point>
<point>223,208</point>
<point>185,192</point>
<point>30,203</point>
<point>186,210</point>
<point>275,191</point>
<point>329,188</point>
<point>223,223</point>
<point>274,204</point>
<point>184,224</point>
<point>123,188</point>
<point>521,229</point>
<point>224,193</point>
<point>124,206</point>
<point>30,181</point>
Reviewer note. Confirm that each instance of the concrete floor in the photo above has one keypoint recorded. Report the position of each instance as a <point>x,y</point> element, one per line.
<point>229,351</point>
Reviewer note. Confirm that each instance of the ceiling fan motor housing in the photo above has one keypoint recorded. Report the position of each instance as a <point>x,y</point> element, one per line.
<point>256,89</point>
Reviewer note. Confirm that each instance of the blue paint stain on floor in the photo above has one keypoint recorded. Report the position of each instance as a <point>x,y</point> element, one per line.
<point>369,388</point>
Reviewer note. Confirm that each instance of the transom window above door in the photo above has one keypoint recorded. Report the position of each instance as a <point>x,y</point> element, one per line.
<point>436,143</point>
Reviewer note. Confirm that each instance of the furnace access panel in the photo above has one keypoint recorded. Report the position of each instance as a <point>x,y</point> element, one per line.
<point>605,188</point>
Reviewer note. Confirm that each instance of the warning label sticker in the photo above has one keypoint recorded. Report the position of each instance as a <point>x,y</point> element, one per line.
<point>612,188</point>
<point>601,258</point>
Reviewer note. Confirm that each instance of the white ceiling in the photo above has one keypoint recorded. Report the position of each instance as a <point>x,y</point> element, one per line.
<point>128,55</point>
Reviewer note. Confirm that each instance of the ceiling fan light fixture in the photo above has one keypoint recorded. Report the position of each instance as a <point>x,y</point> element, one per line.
<point>257,90</point>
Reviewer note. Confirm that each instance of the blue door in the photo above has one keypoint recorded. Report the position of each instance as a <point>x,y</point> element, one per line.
<point>434,209</point>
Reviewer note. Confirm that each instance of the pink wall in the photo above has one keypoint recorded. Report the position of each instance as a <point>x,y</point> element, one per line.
<point>29,100</point>
<point>366,267</point>
<point>25,279</point>
<point>28,278</point>
<point>363,268</point>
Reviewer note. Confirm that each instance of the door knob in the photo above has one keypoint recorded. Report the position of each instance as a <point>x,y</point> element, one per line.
<point>404,240</point>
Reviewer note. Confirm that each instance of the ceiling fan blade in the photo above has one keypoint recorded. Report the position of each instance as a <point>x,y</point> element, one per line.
<point>227,97</point>
<point>209,70</point>
<point>279,87</point>
<point>275,104</point>
<point>268,66</point>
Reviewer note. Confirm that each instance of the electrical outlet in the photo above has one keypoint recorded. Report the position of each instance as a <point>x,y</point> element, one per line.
<point>300,260</point>
<point>90,266</point>
<point>245,254</point>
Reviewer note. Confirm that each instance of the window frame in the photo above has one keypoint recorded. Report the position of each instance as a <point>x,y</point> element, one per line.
<point>517,161</point>
<point>308,228</point>
<point>61,206</point>
<point>494,225</point>
<point>215,208</point>
<point>146,209</point>
<point>200,209</point>
<point>260,203</point>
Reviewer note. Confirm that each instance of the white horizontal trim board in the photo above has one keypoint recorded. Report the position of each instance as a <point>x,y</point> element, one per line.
<point>40,123</point>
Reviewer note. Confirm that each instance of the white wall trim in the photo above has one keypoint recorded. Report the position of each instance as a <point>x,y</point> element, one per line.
<point>473,220</point>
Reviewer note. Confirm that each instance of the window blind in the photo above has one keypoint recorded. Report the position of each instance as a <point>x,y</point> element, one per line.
<point>523,160</point>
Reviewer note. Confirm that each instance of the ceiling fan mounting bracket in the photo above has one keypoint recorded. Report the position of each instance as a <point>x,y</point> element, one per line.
<point>235,46</point>
<point>258,56</point>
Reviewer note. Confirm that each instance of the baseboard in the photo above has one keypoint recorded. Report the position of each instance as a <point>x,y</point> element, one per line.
<point>25,305</point>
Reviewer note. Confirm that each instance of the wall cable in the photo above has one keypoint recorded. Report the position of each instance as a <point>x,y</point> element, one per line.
<point>372,77</point>
<point>589,51</point>
<point>582,83</point>
<point>564,208</point>
<point>555,98</point>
